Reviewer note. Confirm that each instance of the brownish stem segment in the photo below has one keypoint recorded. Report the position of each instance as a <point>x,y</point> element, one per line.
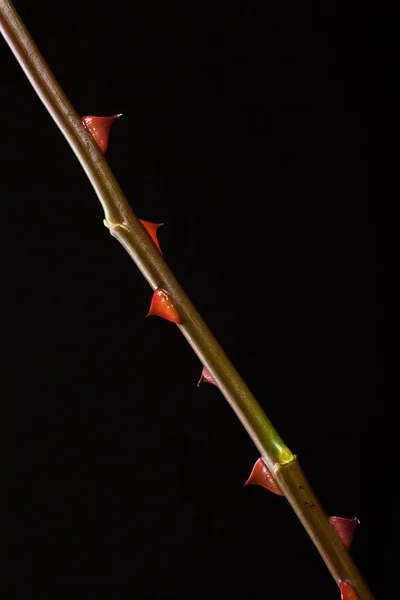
<point>307,507</point>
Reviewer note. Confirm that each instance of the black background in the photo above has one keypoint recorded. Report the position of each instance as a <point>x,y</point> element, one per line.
<point>246,131</point>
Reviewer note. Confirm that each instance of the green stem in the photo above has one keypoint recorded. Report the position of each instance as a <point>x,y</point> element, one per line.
<point>127,229</point>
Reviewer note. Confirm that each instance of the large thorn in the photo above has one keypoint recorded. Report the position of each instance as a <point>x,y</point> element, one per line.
<point>162,306</point>
<point>99,127</point>
<point>261,475</point>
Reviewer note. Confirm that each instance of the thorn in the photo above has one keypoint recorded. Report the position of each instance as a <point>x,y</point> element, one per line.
<point>162,306</point>
<point>347,591</point>
<point>344,529</point>
<point>261,475</point>
<point>205,378</point>
<point>151,229</point>
<point>99,127</point>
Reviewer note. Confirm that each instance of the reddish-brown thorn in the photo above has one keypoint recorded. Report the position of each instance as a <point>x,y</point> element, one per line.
<point>345,529</point>
<point>205,378</point>
<point>347,591</point>
<point>151,229</point>
<point>99,127</point>
<point>162,306</point>
<point>261,475</point>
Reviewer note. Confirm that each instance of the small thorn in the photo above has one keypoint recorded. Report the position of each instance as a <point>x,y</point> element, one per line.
<point>151,229</point>
<point>205,378</point>
<point>347,591</point>
<point>344,529</point>
<point>99,127</point>
<point>162,306</point>
<point>261,475</point>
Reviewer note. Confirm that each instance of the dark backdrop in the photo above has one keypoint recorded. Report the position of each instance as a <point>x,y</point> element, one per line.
<point>245,130</point>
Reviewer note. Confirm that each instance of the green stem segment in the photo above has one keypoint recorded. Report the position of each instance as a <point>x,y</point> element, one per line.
<point>125,226</point>
<point>127,229</point>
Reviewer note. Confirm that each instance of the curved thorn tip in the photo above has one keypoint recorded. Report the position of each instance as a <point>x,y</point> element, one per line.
<point>162,306</point>
<point>151,229</point>
<point>205,378</point>
<point>99,128</point>
<point>261,475</point>
<point>344,529</point>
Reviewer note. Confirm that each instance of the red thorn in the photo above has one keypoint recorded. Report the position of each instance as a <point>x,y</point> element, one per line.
<point>347,591</point>
<point>162,306</point>
<point>345,529</point>
<point>151,229</point>
<point>99,127</point>
<point>205,378</point>
<point>261,475</point>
